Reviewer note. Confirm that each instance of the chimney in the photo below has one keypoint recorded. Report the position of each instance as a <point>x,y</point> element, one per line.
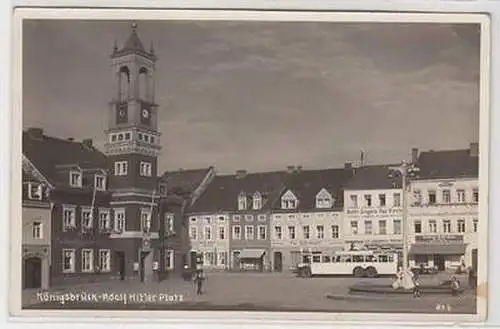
<point>414,155</point>
<point>348,165</point>
<point>474,149</point>
<point>35,133</point>
<point>87,143</point>
<point>241,173</point>
<point>290,169</point>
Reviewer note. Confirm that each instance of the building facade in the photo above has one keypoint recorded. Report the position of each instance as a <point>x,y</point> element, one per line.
<point>36,236</point>
<point>443,212</point>
<point>307,218</point>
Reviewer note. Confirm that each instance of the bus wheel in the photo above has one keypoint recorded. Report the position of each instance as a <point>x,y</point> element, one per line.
<point>371,272</point>
<point>358,272</point>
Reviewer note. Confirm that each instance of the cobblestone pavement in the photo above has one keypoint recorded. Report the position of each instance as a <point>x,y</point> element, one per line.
<point>260,291</point>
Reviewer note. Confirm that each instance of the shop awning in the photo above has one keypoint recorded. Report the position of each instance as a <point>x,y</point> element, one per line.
<point>437,249</point>
<point>252,253</point>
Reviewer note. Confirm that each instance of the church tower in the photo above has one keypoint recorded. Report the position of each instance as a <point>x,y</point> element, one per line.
<point>132,146</point>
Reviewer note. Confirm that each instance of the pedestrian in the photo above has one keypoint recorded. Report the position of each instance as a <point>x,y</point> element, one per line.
<point>417,292</point>
<point>200,277</point>
<point>455,286</point>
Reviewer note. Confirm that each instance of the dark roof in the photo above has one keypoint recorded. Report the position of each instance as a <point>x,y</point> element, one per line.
<point>222,193</point>
<point>375,177</point>
<point>447,164</point>
<point>133,45</point>
<point>48,153</point>
<point>306,184</point>
<point>184,181</point>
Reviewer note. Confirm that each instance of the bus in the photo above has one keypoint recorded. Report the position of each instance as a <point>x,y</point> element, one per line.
<point>362,263</point>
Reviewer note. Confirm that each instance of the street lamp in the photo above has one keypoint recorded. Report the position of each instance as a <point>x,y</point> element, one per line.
<point>406,170</point>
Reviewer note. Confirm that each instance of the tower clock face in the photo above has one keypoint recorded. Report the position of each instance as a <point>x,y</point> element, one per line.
<point>121,113</point>
<point>146,114</point>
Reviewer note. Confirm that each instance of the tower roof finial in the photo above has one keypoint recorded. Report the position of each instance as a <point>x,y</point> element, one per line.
<point>134,26</point>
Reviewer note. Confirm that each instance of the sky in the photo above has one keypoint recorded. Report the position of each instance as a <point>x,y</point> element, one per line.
<point>263,95</point>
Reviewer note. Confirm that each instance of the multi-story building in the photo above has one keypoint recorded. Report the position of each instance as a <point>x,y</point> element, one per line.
<point>443,210</point>
<point>373,209</point>
<point>307,219</point>
<point>229,224</point>
<point>76,177</point>
<point>36,233</point>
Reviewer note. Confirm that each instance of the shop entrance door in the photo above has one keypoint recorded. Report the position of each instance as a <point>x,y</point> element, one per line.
<point>439,262</point>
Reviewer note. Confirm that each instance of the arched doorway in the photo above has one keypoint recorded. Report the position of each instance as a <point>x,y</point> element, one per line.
<point>32,272</point>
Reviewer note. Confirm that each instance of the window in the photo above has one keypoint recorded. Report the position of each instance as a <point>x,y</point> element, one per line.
<point>222,232</point>
<point>169,259</point>
<point>257,201</point>
<point>100,182</point>
<point>105,260</point>
<point>461,226</point>
<point>368,227</point>
<point>236,218</point>
<point>417,195</point>
<point>432,226</point>
<point>291,232</point>
<point>104,222</point>
<point>87,260</point>
<point>242,202</point>
<point>127,136</point>
<point>120,137</point>
<point>208,233</point>
<point>249,233</point>
<point>68,218</point>
<point>335,231</point>
<point>396,226</point>
<point>75,179</point>
<point>222,218</point>
<point>193,233</point>
<point>163,188</point>
<point>68,261</point>
<point>139,136</point>
<point>432,197</point>
<point>475,195</point>
<point>37,230</point>
<point>323,202</point>
<point>262,232</point>
<point>223,258</point>
<point>474,224</point>
<point>306,232</point>
<point>121,168</point>
<point>446,226</point>
<point>278,234</point>
<point>249,218</point>
<point>354,201</point>
<point>86,219</point>
<point>320,232</point>
<point>368,200</point>
<point>262,218</point>
<point>169,224</point>
<point>288,204</point>
<point>381,200</point>
<point>113,138</point>
<point>354,227</point>
<point>418,226</point>
<point>145,169</point>
<point>146,138</point>
<point>460,196</point>
<point>382,227</point>
<point>446,196</point>
<point>145,221</point>
<point>119,220</point>
<point>35,191</point>
<point>397,199</point>
<point>237,232</point>
<point>152,140</point>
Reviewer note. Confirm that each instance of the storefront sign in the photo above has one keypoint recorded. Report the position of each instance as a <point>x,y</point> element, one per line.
<point>374,212</point>
<point>439,238</point>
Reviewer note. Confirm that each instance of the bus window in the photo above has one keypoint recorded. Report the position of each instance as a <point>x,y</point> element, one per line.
<point>390,258</point>
<point>358,259</point>
<point>382,258</point>
<point>326,259</point>
<point>337,259</point>
<point>347,259</point>
<point>316,258</point>
<point>306,259</point>
<point>371,258</point>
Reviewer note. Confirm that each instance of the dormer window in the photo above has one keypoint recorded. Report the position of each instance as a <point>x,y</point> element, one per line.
<point>35,191</point>
<point>324,199</point>
<point>100,182</point>
<point>257,201</point>
<point>75,179</point>
<point>242,201</point>
<point>289,200</point>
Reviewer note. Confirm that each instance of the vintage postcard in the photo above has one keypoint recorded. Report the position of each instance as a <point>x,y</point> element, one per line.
<point>314,166</point>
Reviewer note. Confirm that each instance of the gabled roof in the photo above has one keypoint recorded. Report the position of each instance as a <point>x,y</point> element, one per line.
<point>306,184</point>
<point>448,164</point>
<point>182,182</point>
<point>49,154</point>
<point>222,193</point>
<point>133,45</point>
<point>375,177</point>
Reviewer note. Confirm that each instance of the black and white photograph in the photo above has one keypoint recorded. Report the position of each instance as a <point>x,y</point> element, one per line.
<point>308,164</point>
